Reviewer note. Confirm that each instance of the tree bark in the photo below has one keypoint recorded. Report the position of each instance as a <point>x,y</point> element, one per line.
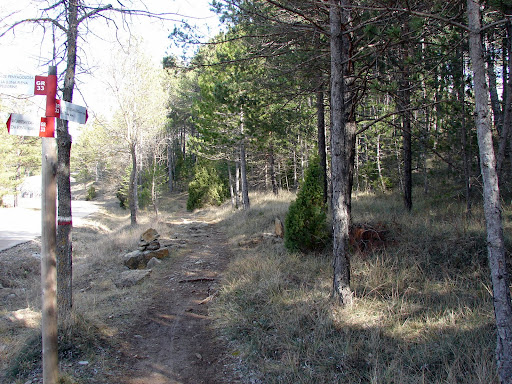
<point>404,98</point>
<point>231,191</point>
<point>342,142</point>
<point>493,91</point>
<point>492,208</point>
<point>65,226</point>
<point>132,189</point>
<point>320,113</point>
<point>243,174</point>
<point>237,184</point>
<point>243,166</point>
<point>379,167</point>
<point>170,164</point>
<point>275,189</point>
<point>295,172</point>
<point>154,194</point>
<point>507,111</point>
<point>466,159</point>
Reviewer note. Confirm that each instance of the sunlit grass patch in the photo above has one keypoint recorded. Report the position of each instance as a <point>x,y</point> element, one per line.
<point>422,310</point>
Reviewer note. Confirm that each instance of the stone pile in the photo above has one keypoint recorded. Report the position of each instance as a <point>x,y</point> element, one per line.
<point>149,248</point>
<point>149,240</point>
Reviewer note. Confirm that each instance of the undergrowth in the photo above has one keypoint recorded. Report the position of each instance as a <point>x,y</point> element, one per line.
<point>422,312</point>
<point>82,353</point>
<point>89,351</point>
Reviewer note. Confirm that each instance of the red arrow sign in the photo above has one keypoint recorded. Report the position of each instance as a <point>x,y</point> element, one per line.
<point>23,125</point>
<point>47,128</point>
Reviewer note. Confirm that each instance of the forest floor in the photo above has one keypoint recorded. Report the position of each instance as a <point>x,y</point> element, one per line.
<point>232,305</point>
<point>172,340</point>
<point>154,333</point>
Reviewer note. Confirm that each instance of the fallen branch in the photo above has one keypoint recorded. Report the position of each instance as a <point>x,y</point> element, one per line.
<point>196,279</point>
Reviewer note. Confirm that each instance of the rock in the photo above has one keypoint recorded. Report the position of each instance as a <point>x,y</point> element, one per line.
<point>149,236</point>
<point>134,260</point>
<point>153,262</point>
<point>149,240</point>
<point>279,228</point>
<point>132,277</point>
<point>153,246</point>
<point>160,254</point>
<point>139,259</point>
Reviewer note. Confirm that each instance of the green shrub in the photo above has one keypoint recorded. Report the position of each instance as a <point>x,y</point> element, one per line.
<point>306,221</point>
<point>122,191</point>
<point>206,188</point>
<point>91,193</point>
<point>144,196</point>
<point>154,173</point>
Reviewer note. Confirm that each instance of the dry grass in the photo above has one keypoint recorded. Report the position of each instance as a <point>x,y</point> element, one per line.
<point>102,310</point>
<point>422,314</point>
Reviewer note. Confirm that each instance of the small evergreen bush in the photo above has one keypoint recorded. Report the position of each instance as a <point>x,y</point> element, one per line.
<point>91,193</point>
<point>122,190</point>
<point>206,188</point>
<point>306,221</point>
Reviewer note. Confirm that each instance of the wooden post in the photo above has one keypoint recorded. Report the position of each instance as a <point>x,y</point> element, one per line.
<point>48,256</point>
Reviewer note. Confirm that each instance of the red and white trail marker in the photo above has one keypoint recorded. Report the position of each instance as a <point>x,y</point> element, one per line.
<point>17,84</point>
<point>27,125</point>
<point>24,125</point>
<point>20,84</point>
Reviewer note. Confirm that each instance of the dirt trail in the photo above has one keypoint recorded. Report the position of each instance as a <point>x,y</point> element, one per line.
<point>173,341</point>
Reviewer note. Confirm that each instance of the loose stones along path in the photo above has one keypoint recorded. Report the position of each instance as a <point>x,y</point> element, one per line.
<point>173,342</point>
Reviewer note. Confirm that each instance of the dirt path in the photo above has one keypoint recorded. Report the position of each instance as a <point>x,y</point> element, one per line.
<point>168,338</point>
<point>173,341</point>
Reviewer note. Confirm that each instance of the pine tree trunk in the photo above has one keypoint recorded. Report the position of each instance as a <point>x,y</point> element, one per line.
<point>404,95</point>
<point>243,166</point>
<point>493,91</point>
<point>170,164</point>
<point>237,184</point>
<point>243,174</point>
<point>295,174</point>
<point>492,208</point>
<point>507,113</point>
<point>231,191</point>
<point>64,221</point>
<point>379,167</point>
<point>275,189</point>
<point>466,159</point>
<point>154,197</point>
<point>320,113</point>
<point>342,139</point>
<point>65,225</point>
<point>132,189</point>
